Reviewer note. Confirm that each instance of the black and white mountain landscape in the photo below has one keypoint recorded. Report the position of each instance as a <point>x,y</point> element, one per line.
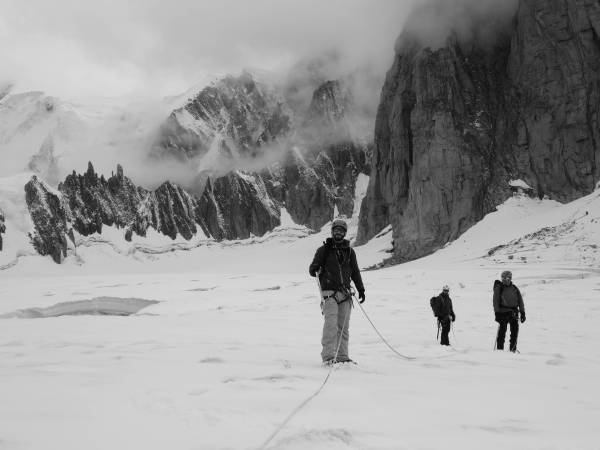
<point>166,175</point>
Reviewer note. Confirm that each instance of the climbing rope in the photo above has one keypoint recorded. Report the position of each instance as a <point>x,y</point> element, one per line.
<point>410,358</point>
<point>317,392</point>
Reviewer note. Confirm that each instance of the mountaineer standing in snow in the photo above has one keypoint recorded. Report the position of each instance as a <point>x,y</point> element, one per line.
<point>442,309</point>
<point>335,264</point>
<point>508,304</point>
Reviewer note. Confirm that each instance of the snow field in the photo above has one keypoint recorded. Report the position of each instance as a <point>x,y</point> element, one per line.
<point>225,353</point>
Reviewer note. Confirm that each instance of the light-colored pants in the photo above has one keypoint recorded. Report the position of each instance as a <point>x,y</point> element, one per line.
<point>335,327</point>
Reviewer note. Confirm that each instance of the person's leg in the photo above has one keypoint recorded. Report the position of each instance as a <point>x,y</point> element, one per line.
<point>330,329</point>
<point>445,332</point>
<point>501,334</point>
<point>344,310</point>
<point>514,332</point>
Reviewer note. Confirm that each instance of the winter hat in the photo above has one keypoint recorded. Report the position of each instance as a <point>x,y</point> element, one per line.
<point>446,288</point>
<point>506,273</point>
<point>339,223</point>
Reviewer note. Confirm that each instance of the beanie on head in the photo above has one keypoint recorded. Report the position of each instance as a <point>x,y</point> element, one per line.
<point>339,223</point>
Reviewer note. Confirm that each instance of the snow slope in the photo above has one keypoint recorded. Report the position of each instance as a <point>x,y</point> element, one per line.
<point>233,345</point>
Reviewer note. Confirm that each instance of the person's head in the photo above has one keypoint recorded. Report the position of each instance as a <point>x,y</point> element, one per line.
<point>446,289</point>
<point>506,277</point>
<point>338,230</point>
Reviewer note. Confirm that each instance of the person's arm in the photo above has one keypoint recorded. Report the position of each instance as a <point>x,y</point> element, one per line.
<point>356,273</point>
<point>452,310</point>
<point>315,265</point>
<point>521,305</point>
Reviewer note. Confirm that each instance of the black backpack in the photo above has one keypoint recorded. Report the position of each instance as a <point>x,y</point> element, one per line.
<point>436,304</point>
<point>502,301</point>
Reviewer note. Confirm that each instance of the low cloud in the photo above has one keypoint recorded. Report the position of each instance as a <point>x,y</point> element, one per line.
<point>149,47</point>
<point>433,21</point>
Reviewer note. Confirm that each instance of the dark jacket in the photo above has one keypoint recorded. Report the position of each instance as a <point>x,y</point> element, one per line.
<point>442,306</point>
<point>338,266</point>
<point>507,298</point>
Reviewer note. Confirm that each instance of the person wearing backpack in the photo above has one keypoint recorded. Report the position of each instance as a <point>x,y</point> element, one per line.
<point>442,309</point>
<point>335,264</point>
<point>508,305</point>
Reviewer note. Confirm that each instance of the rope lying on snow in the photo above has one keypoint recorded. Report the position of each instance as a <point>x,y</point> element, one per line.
<point>410,358</point>
<point>305,402</point>
<point>296,411</point>
<point>318,391</point>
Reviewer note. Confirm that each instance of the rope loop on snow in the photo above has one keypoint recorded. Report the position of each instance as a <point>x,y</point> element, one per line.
<point>409,358</point>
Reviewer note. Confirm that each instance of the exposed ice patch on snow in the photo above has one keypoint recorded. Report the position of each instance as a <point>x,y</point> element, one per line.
<point>99,306</point>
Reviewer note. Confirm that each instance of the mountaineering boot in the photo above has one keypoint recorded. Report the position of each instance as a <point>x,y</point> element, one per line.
<point>345,361</point>
<point>328,362</point>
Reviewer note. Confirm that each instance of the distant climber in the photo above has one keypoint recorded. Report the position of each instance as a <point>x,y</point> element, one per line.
<point>508,306</point>
<point>335,264</point>
<point>442,309</point>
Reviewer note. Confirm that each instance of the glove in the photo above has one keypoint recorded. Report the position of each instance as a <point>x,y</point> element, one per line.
<point>522,318</point>
<point>453,317</point>
<point>497,317</point>
<point>361,296</point>
<point>312,273</point>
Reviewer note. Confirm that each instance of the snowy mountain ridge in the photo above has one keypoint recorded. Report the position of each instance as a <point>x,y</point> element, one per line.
<point>522,231</point>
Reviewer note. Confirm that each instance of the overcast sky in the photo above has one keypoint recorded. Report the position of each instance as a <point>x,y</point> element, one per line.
<point>75,48</point>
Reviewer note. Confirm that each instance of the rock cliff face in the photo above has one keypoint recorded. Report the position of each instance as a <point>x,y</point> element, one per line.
<point>457,123</point>
<point>237,206</point>
<point>554,66</point>
<point>50,216</point>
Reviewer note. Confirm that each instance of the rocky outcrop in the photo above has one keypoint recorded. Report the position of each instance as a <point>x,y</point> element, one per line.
<point>236,109</point>
<point>2,228</point>
<point>231,207</point>
<point>308,198</point>
<point>95,201</point>
<point>237,206</point>
<point>457,123</point>
<point>50,216</point>
<point>173,211</point>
